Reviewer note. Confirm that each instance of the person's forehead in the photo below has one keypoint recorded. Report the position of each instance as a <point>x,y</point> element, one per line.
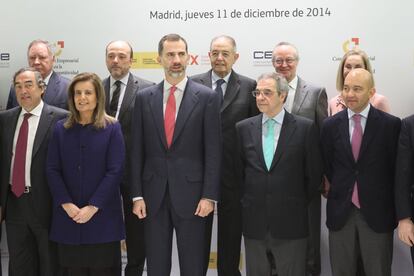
<point>25,76</point>
<point>39,48</point>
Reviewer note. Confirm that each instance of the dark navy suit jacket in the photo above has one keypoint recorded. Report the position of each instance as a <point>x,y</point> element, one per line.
<point>190,168</point>
<point>84,167</point>
<point>374,170</point>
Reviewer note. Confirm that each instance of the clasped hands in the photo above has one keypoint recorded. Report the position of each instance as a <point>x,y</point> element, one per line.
<point>79,215</point>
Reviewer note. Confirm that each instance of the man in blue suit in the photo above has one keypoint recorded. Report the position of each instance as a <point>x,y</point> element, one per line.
<point>41,57</point>
<point>175,162</point>
<point>359,147</point>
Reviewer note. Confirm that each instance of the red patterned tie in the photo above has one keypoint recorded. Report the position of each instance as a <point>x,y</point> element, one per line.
<point>356,146</point>
<point>169,118</point>
<point>19,165</point>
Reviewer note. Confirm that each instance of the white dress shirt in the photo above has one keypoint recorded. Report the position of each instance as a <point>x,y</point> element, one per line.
<point>364,117</point>
<point>33,122</point>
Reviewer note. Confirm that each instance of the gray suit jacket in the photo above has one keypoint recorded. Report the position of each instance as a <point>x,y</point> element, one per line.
<point>238,105</point>
<point>56,92</point>
<point>310,102</point>
<point>42,200</point>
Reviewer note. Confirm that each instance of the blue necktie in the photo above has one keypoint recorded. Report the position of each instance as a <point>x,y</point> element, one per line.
<point>269,142</point>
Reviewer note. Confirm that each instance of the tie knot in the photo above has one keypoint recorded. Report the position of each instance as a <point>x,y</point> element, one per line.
<point>219,82</point>
<point>27,116</point>
<point>357,118</point>
<point>172,89</point>
<point>118,83</point>
<point>270,122</point>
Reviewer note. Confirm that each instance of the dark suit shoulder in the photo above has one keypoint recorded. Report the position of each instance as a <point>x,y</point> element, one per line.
<point>201,76</point>
<point>409,120</point>
<point>57,110</point>
<point>246,122</point>
<point>300,119</point>
<point>245,79</point>
<point>142,83</point>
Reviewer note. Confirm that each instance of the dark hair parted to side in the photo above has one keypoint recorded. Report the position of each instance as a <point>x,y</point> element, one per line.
<point>170,37</point>
<point>99,118</point>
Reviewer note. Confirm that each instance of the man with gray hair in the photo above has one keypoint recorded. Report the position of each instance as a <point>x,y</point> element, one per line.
<point>310,101</point>
<point>237,104</point>
<point>281,172</point>
<point>41,58</point>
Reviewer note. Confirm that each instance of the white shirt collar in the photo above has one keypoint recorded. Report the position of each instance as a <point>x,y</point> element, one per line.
<point>124,80</point>
<point>46,80</point>
<point>294,83</point>
<point>180,86</point>
<point>278,118</point>
<point>37,111</point>
<point>363,113</point>
<point>215,77</point>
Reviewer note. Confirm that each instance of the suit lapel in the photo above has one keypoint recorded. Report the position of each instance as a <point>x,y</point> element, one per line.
<point>206,79</point>
<point>45,121</point>
<point>233,88</point>
<point>51,88</point>
<point>107,88</point>
<point>189,101</point>
<point>300,96</point>
<point>156,105</point>
<point>343,126</point>
<point>370,131</point>
<point>256,132</point>
<point>131,87</point>
<point>9,133</point>
<point>287,130</point>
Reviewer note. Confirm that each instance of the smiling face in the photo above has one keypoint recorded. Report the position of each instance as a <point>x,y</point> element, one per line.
<point>174,59</point>
<point>285,61</point>
<point>118,59</point>
<point>28,91</point>
<point>85,100</point>
<point>222,56</point>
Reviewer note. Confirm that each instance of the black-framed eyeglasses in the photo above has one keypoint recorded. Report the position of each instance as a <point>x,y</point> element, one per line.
<point>265,92</point>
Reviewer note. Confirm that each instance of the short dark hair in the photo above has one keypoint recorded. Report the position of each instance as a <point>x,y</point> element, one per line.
<point>170,37</point>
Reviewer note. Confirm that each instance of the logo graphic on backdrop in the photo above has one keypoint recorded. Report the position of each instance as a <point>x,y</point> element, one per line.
<point>148,60</point>
<point>67,66</point>
<point>350,44</point>
<point>4,59</point>
<point>262,58</point>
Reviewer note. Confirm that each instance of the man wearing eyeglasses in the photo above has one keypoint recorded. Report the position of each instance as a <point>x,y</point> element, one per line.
<point>237,104</point>
<point>281,172</point>
<point>309,101</point>
<point>41,57</point>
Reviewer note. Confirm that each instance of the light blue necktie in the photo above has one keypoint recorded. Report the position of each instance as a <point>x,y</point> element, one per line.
<point>269,143</point>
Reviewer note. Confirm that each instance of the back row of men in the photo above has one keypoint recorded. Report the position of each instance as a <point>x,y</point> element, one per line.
<point>266,186</point>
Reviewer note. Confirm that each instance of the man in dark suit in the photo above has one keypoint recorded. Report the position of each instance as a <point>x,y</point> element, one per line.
<point>120,89</point>
<point>41,57</point>
<point>359,147</point>
<point>24,194</point>
<point>404,182</point>
<point>238,104</point>
<point>309,101</point>
<point>282,170</point>
<point>175,162</point>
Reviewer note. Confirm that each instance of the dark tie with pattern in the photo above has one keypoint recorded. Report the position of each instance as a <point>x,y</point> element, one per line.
<point>219,90</point>
<point>19,166</point>
<point>113,107</point>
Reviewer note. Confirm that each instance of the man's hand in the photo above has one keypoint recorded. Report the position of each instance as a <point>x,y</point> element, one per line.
<point>204,208</point>
<point>85,214</point>
<point>139,208</point>
<point>406,231</point>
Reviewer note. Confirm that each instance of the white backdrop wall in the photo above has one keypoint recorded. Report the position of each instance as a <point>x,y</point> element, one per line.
<point>321,29</point>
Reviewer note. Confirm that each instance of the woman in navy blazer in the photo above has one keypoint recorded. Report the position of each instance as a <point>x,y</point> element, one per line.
<point>84,169</point>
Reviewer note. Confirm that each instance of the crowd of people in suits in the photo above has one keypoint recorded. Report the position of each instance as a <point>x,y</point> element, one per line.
<point>86,163</point>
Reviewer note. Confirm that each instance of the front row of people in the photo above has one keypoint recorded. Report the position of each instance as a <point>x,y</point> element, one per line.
<point>60,189</point>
